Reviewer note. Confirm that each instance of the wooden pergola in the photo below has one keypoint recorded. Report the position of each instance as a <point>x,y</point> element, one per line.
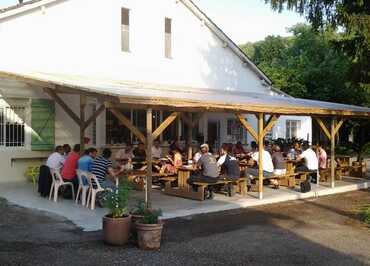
<point>190,111</point>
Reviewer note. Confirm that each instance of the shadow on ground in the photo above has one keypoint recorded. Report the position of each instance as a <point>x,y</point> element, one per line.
<point>320,232</point>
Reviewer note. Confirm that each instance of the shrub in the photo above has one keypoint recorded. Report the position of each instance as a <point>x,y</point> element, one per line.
<point>116,201</point>
<point>151,216</point>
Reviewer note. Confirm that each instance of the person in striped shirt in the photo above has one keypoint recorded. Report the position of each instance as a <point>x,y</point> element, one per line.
<point>103,167</point>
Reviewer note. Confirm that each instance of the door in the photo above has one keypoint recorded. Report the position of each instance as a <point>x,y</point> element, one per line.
<point>214,134</point>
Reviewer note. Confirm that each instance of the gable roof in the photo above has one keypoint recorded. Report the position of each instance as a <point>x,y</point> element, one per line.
<point>189,4</point>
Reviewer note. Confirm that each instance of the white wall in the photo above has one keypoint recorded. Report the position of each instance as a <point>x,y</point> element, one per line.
<point>66,130</point>
<point>84,37</point>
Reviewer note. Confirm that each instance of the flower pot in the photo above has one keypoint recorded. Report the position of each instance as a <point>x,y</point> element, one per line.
<point>134,219</point>
<point>116,231</point>
<point>149,235</point>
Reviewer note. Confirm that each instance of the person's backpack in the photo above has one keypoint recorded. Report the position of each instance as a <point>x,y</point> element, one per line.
<point>45,181</point>
<point>305,186</point>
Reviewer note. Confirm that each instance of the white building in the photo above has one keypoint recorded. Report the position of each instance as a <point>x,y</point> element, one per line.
<point>166,42</point>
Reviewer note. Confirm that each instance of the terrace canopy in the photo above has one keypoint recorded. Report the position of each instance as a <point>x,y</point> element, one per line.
<point>182,101</point>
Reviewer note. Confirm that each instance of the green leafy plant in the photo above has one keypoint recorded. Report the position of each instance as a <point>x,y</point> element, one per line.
<point>117,200</point>
<point>365,214</point>
<point>32,173</point>
<point>151,216</point>
<point>139,209</point>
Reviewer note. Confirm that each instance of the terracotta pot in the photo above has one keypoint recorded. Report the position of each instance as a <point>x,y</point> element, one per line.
<point>116,231</point>
<point>149,236</point>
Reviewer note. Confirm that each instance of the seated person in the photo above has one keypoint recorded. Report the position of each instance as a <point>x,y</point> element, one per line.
<point>311,163</point>
<point>66,150</point>
<point>102,167</point>
<point>209,172</point>
<point>139,157</point>
<point>228,163</point>
<point>321,156</point>
<point>198,154</point>
<point>238,149</point>
<point>267,165</point>
<point>140,152</point>
<point>229,167</point>
<point>56,159</point>
<point>278,160</point>
<point>124,158</point>
<point>86,161</point>
<point>70,166</point>
<point>156,150</point>
<point>173,163</point>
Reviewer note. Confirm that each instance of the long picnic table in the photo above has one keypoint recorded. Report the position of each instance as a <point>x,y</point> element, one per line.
<point>184,190</point>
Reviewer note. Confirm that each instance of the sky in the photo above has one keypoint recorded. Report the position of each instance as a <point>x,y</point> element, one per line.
<point>242,20</point>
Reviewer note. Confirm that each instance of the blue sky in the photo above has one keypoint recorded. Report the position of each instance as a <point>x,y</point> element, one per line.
<point>242,20</point>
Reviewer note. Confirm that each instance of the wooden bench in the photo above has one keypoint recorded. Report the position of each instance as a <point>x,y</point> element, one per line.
<point>286,180</point>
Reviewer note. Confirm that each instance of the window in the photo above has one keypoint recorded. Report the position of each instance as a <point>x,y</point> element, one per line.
<point>234,130</point>
<point>168,38</point>
<point>12,126</point>
<point>125,30</point>
<point>292,128</point>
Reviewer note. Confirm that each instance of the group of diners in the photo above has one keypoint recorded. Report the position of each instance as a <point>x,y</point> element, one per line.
<point>207,167</point>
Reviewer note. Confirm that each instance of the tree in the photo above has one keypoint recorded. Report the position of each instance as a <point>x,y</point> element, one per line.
<point>353,18</point>
<point>305,65</point>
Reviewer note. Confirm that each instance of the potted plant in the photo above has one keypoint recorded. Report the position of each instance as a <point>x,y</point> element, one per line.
<point>149,230</point>
<point>117,224</point>
<point>137,214</point>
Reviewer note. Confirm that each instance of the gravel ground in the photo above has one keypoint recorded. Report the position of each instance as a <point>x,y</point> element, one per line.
<point>325,231</point>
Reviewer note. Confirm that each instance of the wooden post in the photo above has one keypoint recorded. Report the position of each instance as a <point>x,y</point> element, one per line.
<point>190,138</point>
<point>332,140</point>
<point>82,123</point>
<point>260,154</point>
<point>149,144</point>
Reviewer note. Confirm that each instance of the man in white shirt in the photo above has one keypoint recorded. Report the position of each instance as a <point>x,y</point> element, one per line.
<point>267,165</point>
<point>56,159</point>
<point>156,150</point>
<point>311,163</point>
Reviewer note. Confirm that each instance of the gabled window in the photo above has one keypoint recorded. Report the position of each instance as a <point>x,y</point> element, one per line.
<point>125,30</point>
<point>168,38</point>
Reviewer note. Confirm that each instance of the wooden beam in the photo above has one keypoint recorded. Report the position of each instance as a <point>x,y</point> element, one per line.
<point>94,116</point>
<point>260,154</point>
<point>164,125</point>
<point>149,144</point>
<point>188,121</point>
<point>62,104</point>
<point>248,126</point>
<point>323,127</point>
<point>82,124</point>
<point>127,123</point>
<point>270,124</point>
<point>332,139</point>
<point>338,126</point>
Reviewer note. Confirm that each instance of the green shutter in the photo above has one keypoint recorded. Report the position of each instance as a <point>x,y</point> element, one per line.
<point>43,125</point>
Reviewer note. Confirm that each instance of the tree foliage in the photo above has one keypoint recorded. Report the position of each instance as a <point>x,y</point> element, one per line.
<point>352,17</point>
<point>306,65</point>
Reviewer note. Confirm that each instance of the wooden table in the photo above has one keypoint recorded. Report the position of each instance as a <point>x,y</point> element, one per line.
<point>183,189</point>
<point>137,178</point>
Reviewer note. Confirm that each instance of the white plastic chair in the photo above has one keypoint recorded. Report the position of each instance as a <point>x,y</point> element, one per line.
<point>82,187</point>
<point>94,188</point>
<point>57,183</point>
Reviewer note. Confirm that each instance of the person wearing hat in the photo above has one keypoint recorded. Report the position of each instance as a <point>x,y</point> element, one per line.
<point>199,153</point>
<point>209,170</point>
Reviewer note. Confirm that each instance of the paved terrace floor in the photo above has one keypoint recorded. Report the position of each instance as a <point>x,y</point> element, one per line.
<point>25,195</point>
